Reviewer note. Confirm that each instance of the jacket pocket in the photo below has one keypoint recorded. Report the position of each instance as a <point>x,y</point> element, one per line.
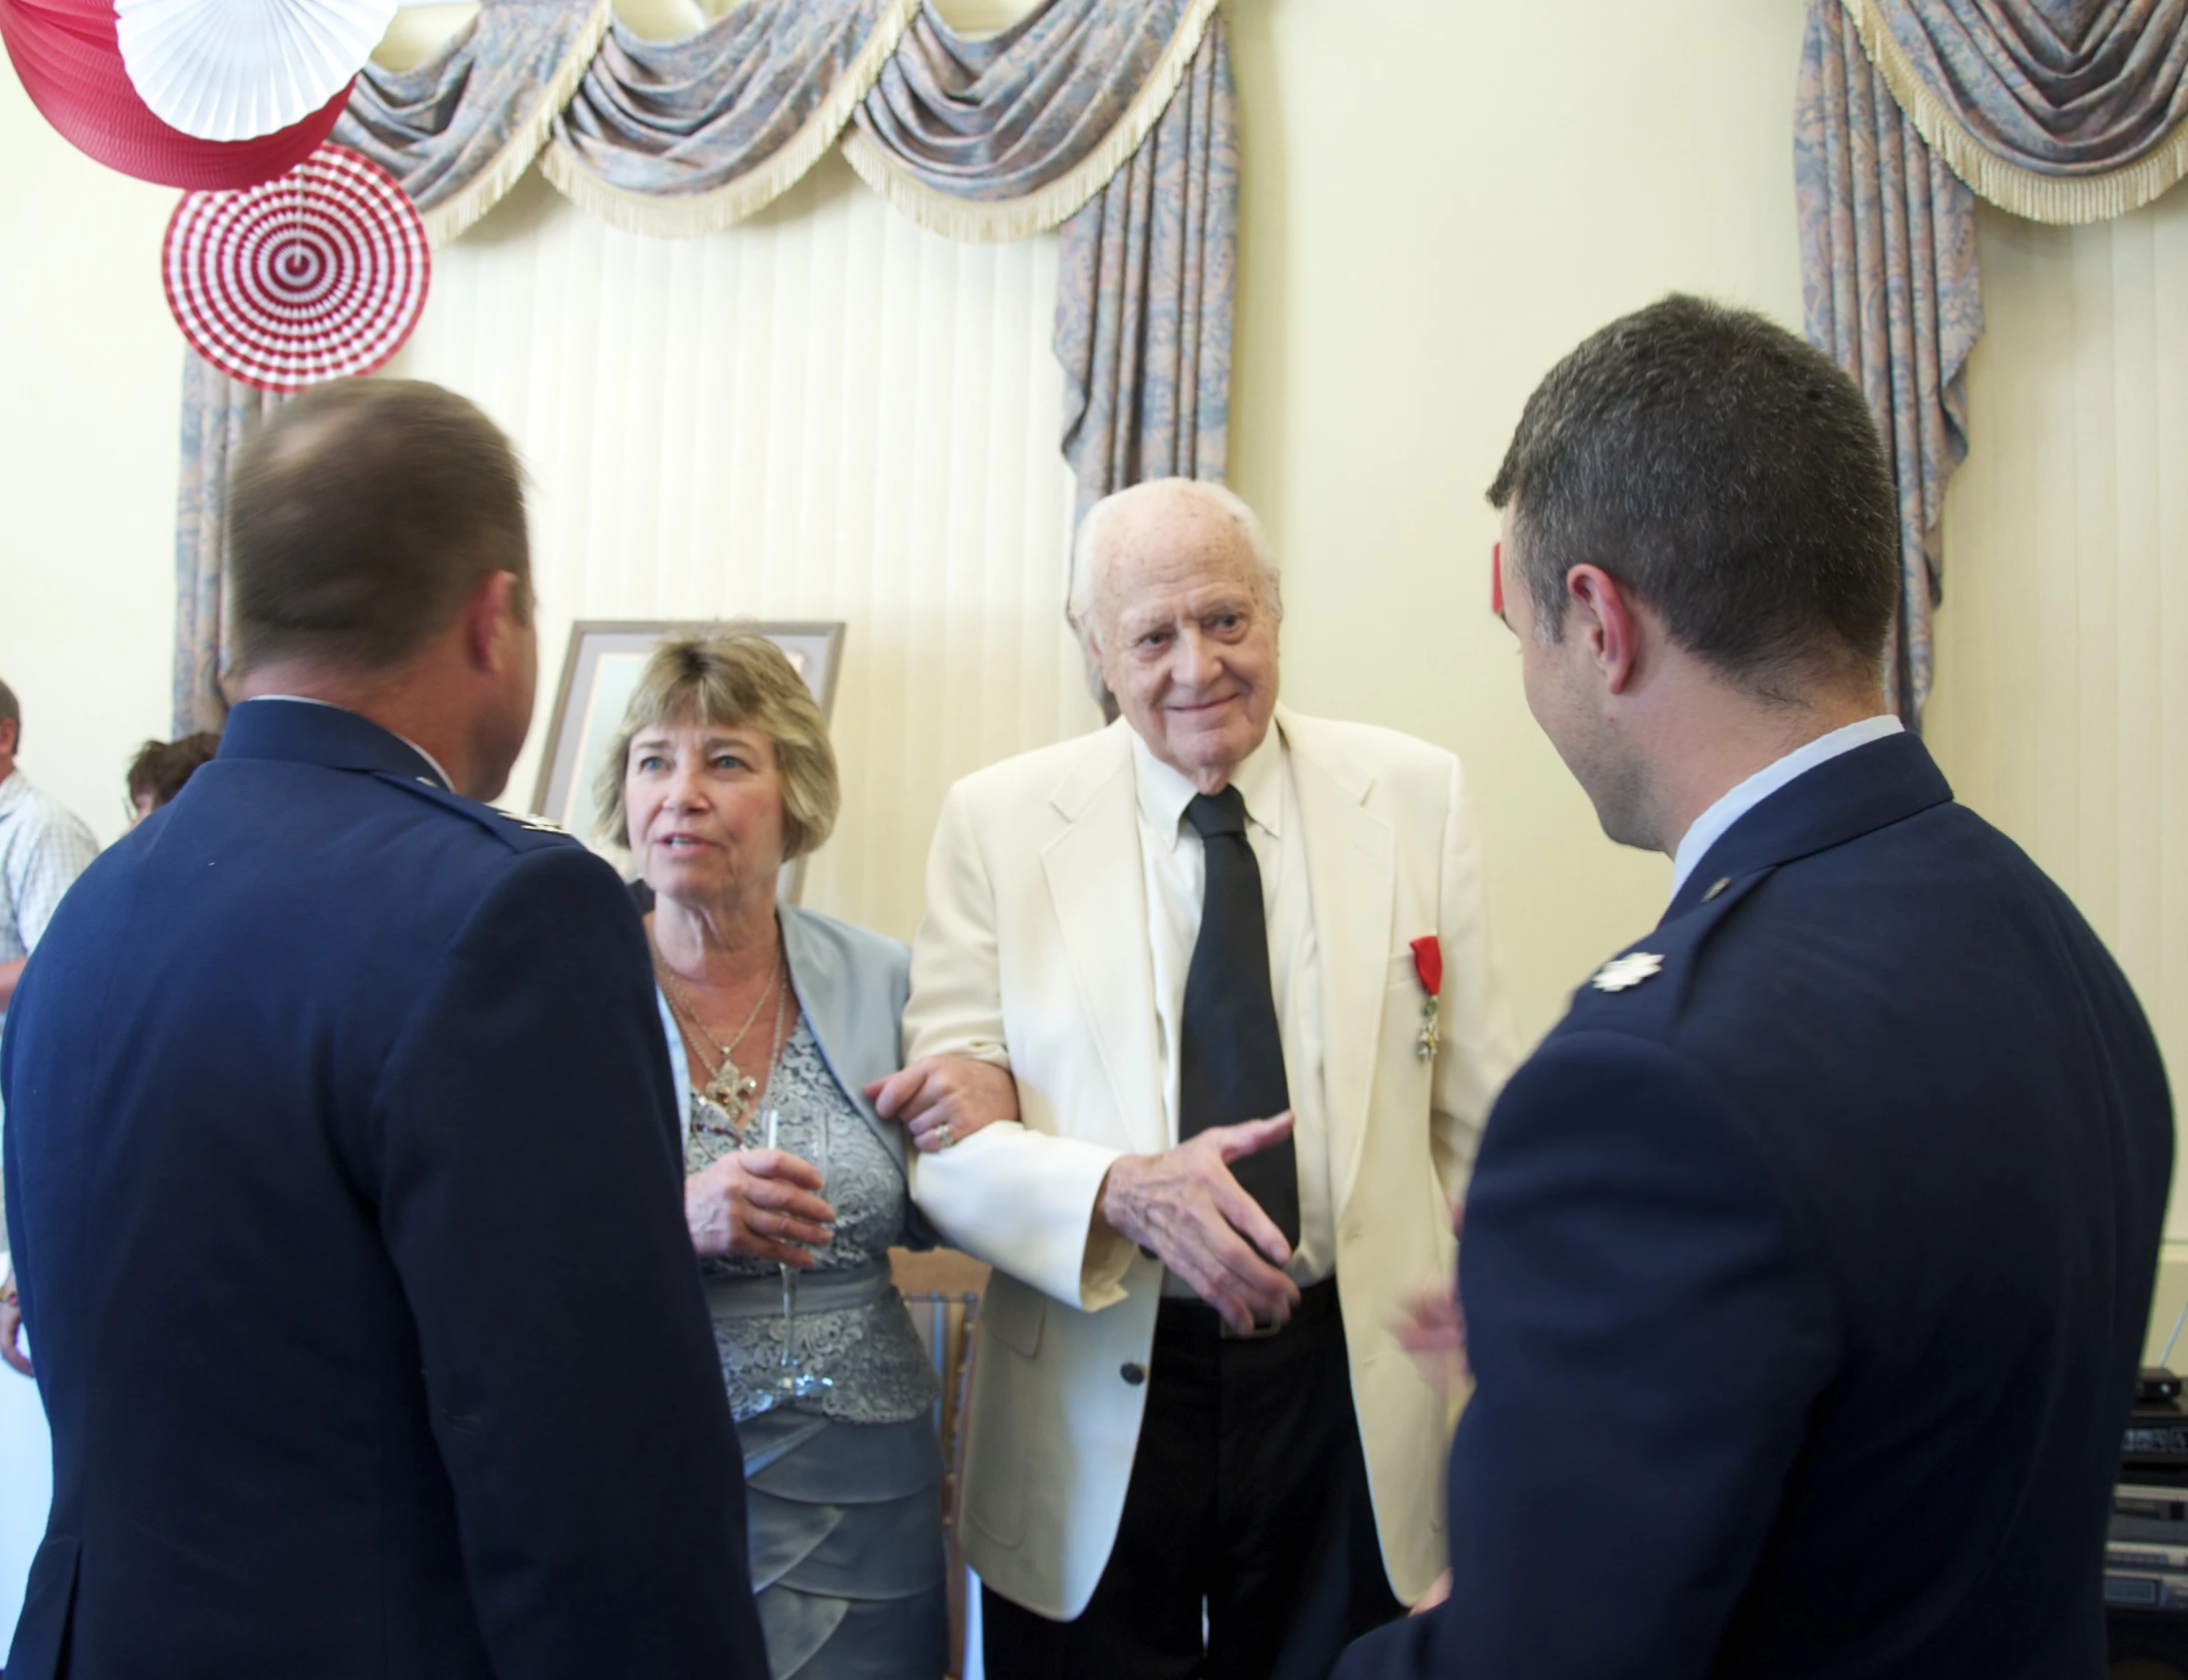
<point>1013,1313</point>
<point>999,1453</point>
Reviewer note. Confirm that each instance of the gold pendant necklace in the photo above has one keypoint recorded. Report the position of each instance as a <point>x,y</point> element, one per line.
<point>731,1089</point>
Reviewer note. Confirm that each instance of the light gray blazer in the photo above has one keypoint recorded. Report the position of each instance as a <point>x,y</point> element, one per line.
<point>852,984</point>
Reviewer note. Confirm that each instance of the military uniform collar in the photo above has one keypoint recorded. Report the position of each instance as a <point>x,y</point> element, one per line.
<point>305,731</point>
<point>1841,799</point>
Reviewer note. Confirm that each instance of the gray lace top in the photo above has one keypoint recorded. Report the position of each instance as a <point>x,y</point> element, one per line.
<point>868,1350</point>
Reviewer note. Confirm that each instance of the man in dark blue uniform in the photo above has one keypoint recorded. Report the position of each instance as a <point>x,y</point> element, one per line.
<point>1806,1264</point>
<point>342,1167</point>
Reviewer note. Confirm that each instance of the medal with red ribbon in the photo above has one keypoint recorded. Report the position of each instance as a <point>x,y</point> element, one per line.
<point>1428,968</point>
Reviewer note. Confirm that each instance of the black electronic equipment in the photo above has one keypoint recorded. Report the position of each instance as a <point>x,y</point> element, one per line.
<point>2146,1545</point>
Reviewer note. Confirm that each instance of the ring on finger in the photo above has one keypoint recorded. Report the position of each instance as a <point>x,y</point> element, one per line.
<point>942,1130</point>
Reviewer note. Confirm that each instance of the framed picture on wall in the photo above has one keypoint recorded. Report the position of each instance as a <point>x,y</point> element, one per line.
<point>598,674</point>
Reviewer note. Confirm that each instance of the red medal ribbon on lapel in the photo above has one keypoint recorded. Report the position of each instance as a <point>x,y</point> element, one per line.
<point>1428,968</point>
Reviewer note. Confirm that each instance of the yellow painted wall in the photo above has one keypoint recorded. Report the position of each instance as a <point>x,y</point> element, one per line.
<point>1440,200</point>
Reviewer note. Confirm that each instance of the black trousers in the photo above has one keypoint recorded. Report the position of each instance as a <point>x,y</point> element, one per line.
<point>1248,1505</point>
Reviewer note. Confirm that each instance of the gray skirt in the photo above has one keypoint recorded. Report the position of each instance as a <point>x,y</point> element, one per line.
<point>845,1529</point>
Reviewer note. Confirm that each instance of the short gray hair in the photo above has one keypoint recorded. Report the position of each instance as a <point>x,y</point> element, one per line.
<point>11,712</point>
<point>1087,550</point>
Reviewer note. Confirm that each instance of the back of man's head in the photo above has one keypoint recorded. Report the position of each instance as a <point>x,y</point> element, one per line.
<point>360,516</point>
<point>1726,474</point>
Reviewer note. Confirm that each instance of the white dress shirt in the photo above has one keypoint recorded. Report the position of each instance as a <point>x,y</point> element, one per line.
<point>1176,871</point>
<point>1711,826</point>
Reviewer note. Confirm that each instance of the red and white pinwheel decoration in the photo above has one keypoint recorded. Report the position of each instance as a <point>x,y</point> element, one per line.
<point>318,275</point>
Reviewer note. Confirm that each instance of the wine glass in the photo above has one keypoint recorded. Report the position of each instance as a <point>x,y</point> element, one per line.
<point>792,1380</point>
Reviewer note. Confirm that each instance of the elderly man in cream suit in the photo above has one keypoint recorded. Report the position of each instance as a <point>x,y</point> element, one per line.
<point>1197,1445</point>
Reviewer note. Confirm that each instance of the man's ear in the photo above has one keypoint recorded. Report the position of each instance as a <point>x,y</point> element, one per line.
<point>488,614</point>
<point>11,731</point>
<point>1605,619</point>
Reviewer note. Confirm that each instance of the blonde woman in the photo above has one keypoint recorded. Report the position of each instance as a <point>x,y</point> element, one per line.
<point>722,772</point>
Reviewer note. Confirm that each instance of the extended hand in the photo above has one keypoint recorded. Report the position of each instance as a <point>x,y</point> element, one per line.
<point>1434,1329</point>
<point>757,1202</point>
<point>11,1350</point>
<point>1436,1595</point>
<point>943,1100</point>
<point>1434,1332</point>
<point>1185,1206</point>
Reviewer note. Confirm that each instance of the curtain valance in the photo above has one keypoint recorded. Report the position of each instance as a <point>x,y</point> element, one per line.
<point>1113,119</point>
<point>2056,109</point>
<point>460,129</point>
<point>999,137</point>
<point>687,137</point>
<point>982,139</point>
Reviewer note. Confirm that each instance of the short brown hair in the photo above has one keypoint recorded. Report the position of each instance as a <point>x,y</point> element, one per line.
<point>361,515</point>
<point>1729,476</point>
<point>732,677</point>
<point>161,767</point>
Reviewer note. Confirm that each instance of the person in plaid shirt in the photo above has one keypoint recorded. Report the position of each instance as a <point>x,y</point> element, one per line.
<point>43,848</point>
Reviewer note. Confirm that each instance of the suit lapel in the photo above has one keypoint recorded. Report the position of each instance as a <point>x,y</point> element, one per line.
<point>1094,882</point>
<point>1352,872</point>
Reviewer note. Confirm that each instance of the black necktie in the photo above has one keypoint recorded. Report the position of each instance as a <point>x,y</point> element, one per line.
<point>1230,1057</point>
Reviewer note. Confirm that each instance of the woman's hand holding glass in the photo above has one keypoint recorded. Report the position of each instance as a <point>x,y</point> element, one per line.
<point>761,1204</point>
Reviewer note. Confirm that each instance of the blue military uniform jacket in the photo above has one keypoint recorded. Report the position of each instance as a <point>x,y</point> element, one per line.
<point>344,1192</point>
<point>1805,1275</point>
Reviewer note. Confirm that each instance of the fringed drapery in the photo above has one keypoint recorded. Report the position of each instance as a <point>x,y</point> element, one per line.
<point>687,137</point>
<point>1115,120</point>
<point>217,412</point>
<point>998,138</point>
<point>2056,109</point>
<point>460,130</point>
<point>1889,288</point>
<point>1144,291</point>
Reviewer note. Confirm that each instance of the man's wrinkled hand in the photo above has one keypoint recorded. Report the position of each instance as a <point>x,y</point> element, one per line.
<point>943,1100</point>
<point>1186,1208</point>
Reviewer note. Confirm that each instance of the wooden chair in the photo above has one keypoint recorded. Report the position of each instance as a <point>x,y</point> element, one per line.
<point>942,1289</point>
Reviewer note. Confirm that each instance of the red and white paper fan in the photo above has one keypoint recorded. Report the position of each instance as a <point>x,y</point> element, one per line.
<point>66,53</point>
<point>318,275</point>
<point>239,69</point>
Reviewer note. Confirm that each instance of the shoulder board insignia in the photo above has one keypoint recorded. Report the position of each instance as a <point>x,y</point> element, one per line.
<point>520,833</point>
<point>1623,973</point>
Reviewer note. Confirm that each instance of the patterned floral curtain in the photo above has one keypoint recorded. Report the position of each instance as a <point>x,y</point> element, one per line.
<point>1889,286</point>
<point>217,412</point>
<point>1144,295</point>
<point>1907,112</point>
<point>1114,120</point>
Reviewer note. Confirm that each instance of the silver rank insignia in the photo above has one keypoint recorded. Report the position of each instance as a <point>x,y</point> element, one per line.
<point>1629,970</point>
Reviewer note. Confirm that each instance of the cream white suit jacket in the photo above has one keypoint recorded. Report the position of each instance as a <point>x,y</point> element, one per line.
<point>1033,953</point>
